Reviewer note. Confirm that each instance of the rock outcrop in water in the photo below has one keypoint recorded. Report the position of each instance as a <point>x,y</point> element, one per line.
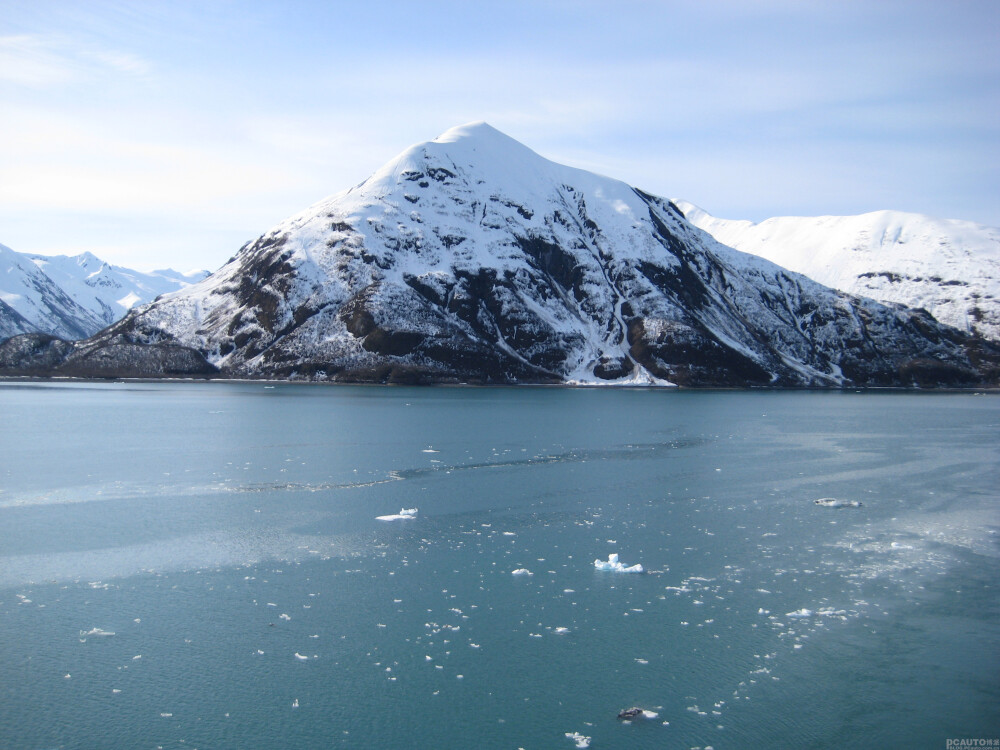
<point>472,259</point>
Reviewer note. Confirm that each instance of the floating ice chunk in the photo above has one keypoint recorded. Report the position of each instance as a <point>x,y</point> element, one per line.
<point>561,631</point>
<point>800,613</point>
<point>96,633</point>
<point>615,565</point>
<point>635,712</point>
<point>404,514</point>
<point>295,703</point>
<point>300,657</point>
<point>900,545</point>
<point>521,572</point>
<point>580,740</point>
<point>832,502</point>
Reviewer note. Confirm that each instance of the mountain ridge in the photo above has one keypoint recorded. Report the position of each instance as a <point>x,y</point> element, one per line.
<point>470,258</point>
<point>73,297</point>
<point>949,267</point>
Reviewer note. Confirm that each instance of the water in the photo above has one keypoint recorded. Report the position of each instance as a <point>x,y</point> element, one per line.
<point>200,566</point>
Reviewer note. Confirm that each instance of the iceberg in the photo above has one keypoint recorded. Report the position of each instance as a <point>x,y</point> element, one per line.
<point>521,572</point>
<point>403,514</point>
<point>612,563</point>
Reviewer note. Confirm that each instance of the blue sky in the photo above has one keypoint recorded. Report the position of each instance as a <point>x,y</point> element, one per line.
<point>169,133</point>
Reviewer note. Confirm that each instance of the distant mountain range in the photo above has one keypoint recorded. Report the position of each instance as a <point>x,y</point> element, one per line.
<point>73,297</point>
<point>949,268</point>
<point>470,258</point>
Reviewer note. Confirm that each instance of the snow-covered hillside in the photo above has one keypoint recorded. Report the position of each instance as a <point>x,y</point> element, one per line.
<point>110,291</point>
<point>73,297</point>
<point>33,302</point>
<point>950,268</point>
<point>471,258</point>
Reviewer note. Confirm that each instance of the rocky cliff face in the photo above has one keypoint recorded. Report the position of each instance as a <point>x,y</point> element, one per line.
<point>470,258</point>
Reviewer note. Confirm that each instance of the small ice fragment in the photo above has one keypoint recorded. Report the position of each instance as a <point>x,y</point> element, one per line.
<point>561,631</point>
<point>800,613</point>
<point>581,741</point>
<point>96,632</point>
<point>404,514</point>
<point>295,703</point>
<point>300,657</point>
<point>899,545</point>
<point>521,572</point>
<point>615,565</point>
<point>284,617</point>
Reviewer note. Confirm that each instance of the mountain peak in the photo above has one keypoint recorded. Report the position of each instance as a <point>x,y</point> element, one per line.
<point>479,130</point>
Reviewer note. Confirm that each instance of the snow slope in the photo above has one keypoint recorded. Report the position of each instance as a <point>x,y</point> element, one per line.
<point>950,268</point>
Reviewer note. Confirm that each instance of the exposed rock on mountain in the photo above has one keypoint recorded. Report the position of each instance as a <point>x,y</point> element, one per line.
<point>42,354</point>
<point>950,268</point>
<point>472,259</point>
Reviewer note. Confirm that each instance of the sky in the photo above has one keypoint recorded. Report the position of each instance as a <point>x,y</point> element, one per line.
<point>168,134</point>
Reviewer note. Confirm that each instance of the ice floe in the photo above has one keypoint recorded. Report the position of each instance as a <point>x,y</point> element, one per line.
<point>404,514</point>
<point>833,502</point>
<point>521,572</point>
<point>581,741</point>
<point>613,564</point>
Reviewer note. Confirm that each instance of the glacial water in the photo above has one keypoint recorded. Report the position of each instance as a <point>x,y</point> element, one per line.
<point>201,566</point>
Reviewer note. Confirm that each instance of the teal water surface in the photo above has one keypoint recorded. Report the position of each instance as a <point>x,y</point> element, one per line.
<point>192,565</point>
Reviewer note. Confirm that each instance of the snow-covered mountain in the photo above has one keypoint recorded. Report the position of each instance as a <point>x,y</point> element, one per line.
<point>471,258</point>
<point>73,297</point>
<point>950,268</point>
<point>33,302</point>
<point>107,290</point>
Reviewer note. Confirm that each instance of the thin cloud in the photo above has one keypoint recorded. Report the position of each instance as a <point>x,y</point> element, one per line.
<point>44,61</point>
